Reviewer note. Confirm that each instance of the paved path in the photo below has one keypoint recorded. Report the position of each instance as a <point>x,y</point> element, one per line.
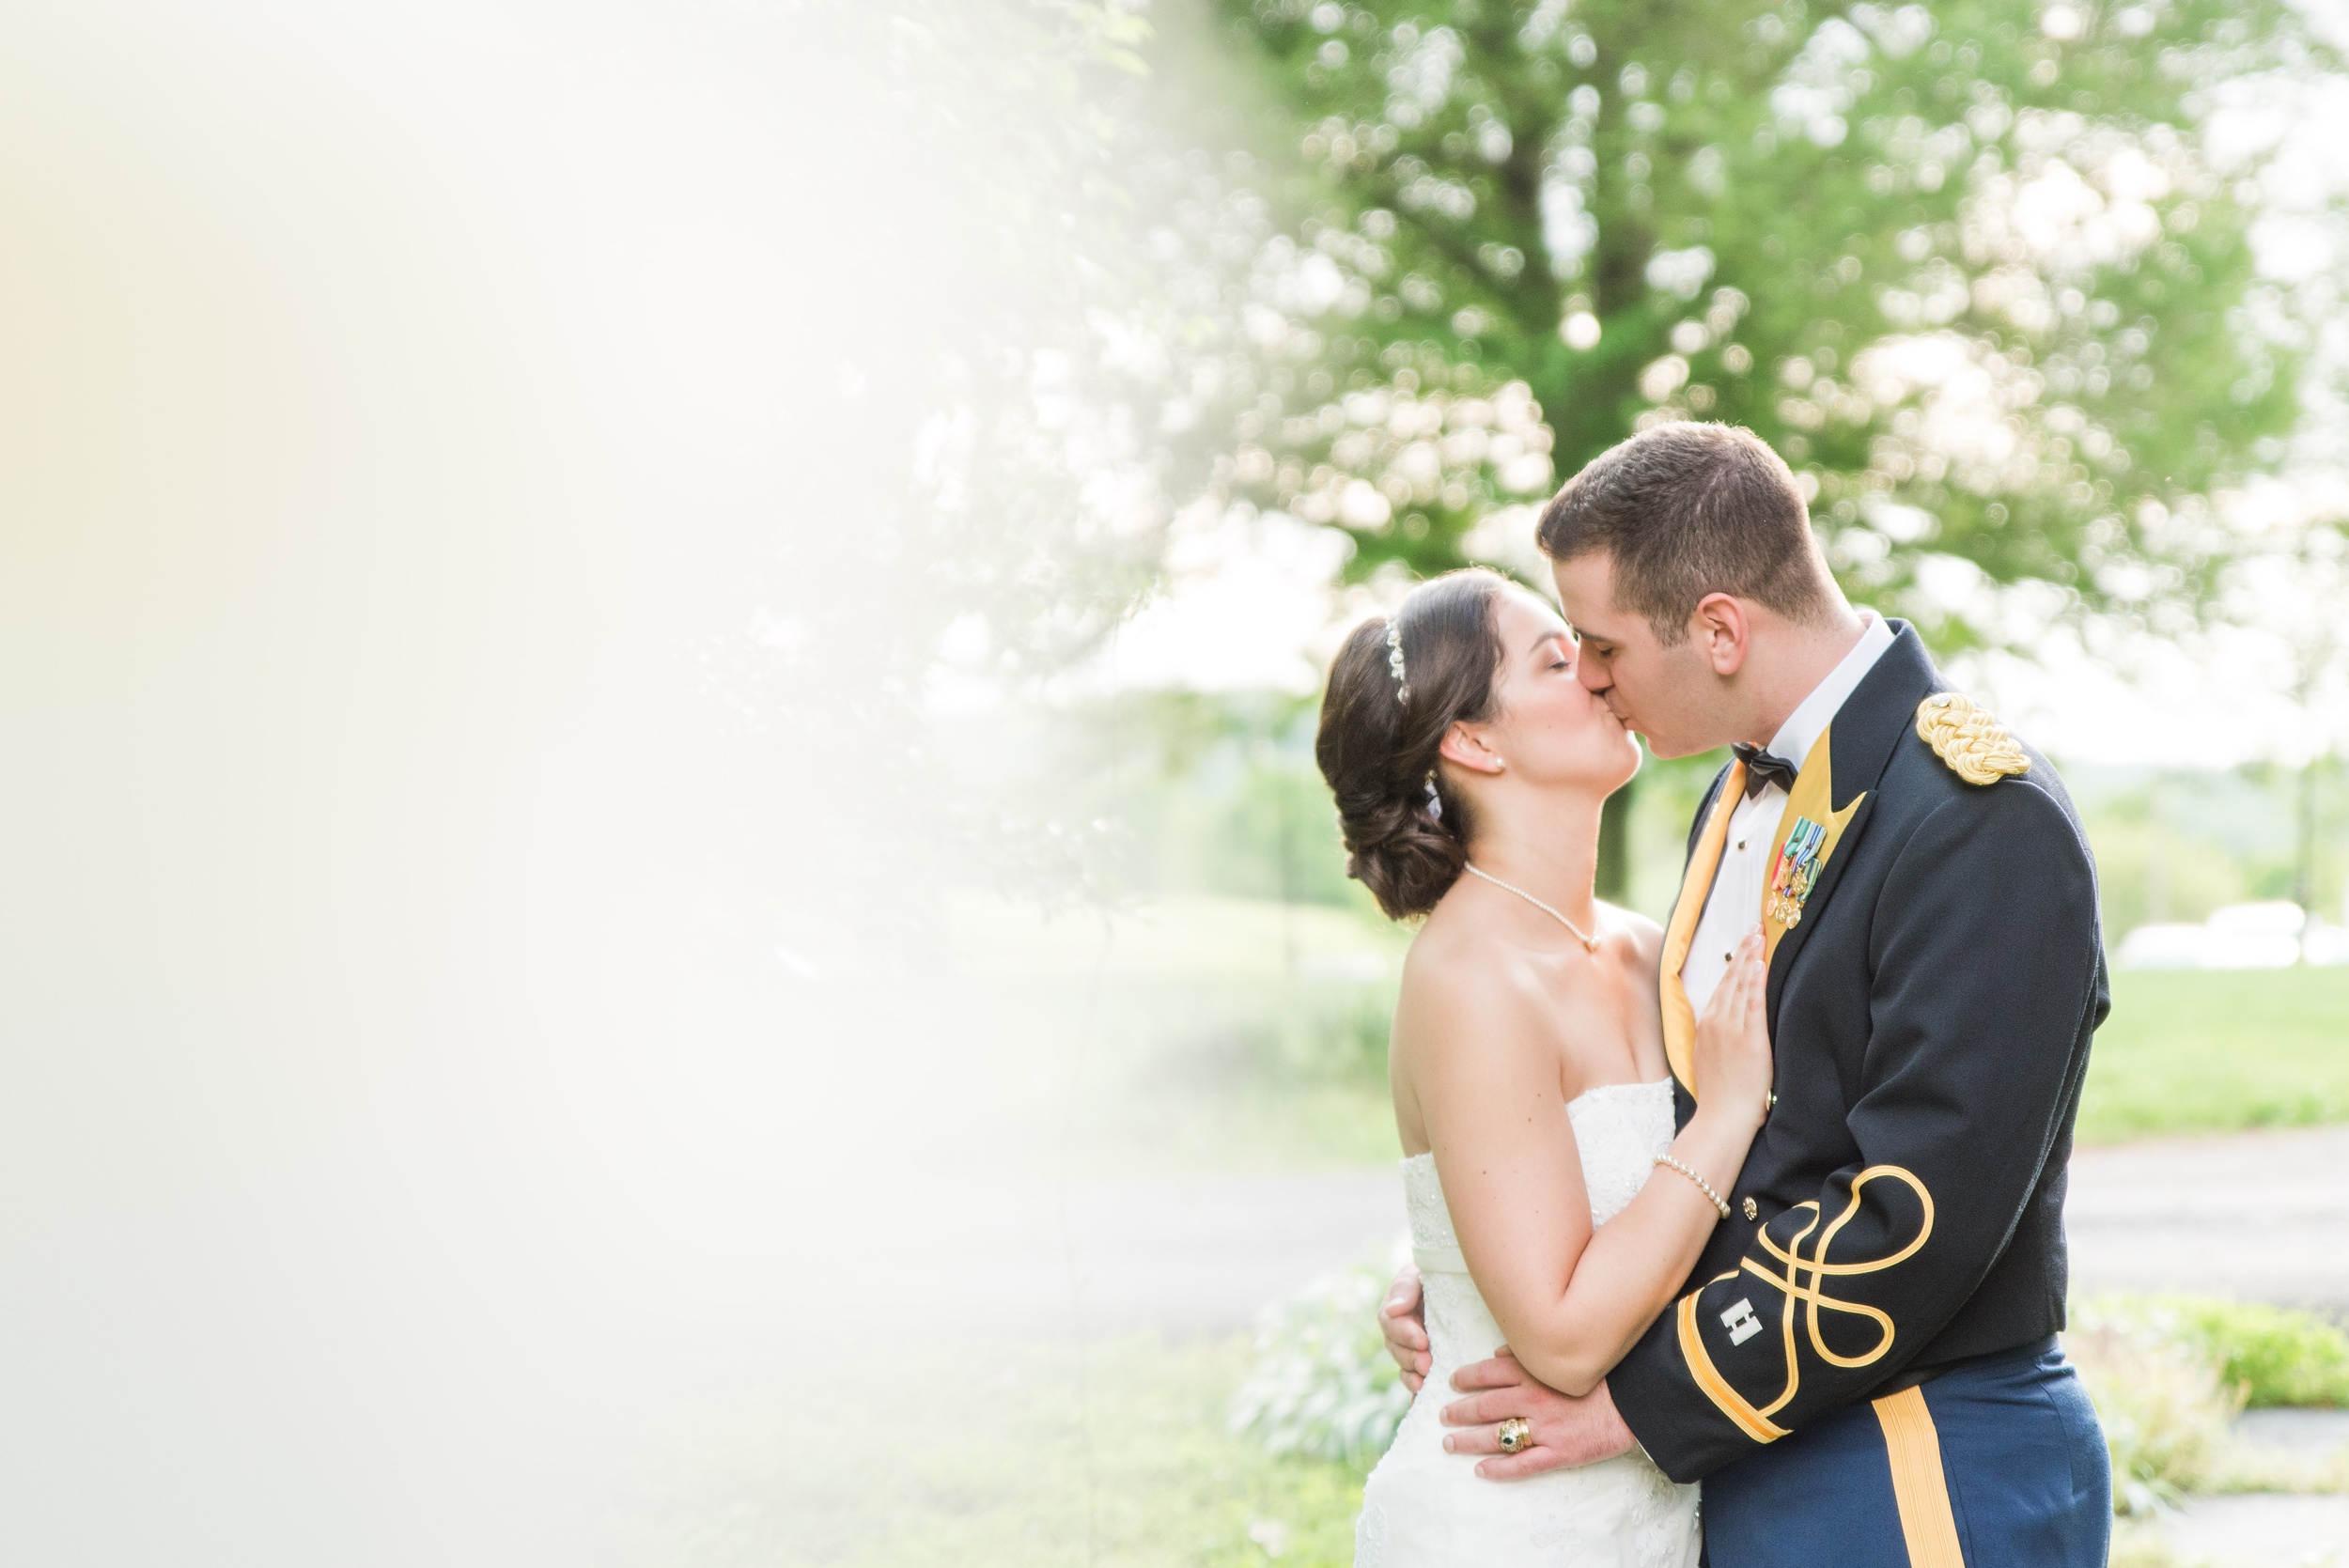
<point>2263,1530</point>
<point>2264,1215</point>
<point>2270,1530</point>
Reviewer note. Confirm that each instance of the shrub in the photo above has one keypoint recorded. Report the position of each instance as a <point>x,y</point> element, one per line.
<point>2275,1355</point>
<point>2271,1354</point>
<point>1283,1036</point>
<point>1322,1385</point>
<point>2144,1546</point>
<point>2165,1411</point>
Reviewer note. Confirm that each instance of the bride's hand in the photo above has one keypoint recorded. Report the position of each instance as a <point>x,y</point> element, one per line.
<point>1732,1049</point>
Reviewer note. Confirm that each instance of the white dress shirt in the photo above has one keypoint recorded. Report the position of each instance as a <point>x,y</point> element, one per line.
<point>1733,906</point>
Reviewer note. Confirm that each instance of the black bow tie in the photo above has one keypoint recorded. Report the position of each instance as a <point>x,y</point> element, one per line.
<point>1762,768</point>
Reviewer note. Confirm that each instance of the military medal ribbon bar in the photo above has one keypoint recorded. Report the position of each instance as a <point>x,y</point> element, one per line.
<point>1797,868</point>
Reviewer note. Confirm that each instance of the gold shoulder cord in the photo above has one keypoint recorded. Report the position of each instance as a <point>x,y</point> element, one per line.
<point>1964,735</point>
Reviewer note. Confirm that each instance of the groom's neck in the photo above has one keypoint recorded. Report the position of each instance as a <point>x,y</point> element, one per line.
<point>1784,663</point>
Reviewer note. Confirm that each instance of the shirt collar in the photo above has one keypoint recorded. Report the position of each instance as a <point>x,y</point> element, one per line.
<point>1810,719</point>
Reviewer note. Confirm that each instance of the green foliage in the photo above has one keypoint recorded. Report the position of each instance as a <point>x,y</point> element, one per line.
<point>1323,1385</point>
<point>2143,1543</point>
<point>1208,794</point>
<point>1223,1032</point>
<point>1663,805</point>
<point>1836,223</point>
<point>993,436</point>
<point>2175,844</point>
<point>2168,1374</point>
<point>1313,1028</point>
<point>1117,1453</point>
<point>2264,1354</point>
<point>2159,1397</point>
<point>2204,1051</point>
<point>2276,1356</point>
<point>1194,1032</point>
<point>2149,871</point>
<point>1257,825</point>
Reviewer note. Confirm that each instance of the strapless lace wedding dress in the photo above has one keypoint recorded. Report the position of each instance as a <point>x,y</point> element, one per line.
<point>1423,1508</point>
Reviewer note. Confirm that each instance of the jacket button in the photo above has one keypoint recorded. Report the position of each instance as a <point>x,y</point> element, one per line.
<point>1753,1210</point>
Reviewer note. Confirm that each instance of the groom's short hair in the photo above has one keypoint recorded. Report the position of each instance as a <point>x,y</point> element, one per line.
<point>1690,509</point>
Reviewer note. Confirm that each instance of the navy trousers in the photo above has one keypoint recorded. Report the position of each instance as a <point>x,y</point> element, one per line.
<point>1998,1462</point>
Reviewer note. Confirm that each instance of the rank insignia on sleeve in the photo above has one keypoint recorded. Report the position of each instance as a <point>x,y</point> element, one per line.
<point>1740,1322</point>
<point>1976,746</point>
<point>1797,868</point>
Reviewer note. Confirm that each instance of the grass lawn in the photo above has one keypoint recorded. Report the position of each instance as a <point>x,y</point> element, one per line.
<point>2203,1051</point>
<point>1208,1033</point>
<point>2183,1052</point>
<point>1119,1454</point>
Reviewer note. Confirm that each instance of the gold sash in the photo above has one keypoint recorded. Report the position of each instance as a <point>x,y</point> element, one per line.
<point>1680,1018</point>
<point>1814,796</point>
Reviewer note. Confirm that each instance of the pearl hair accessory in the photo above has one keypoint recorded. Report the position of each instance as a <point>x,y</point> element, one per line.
<point>1395,661</point>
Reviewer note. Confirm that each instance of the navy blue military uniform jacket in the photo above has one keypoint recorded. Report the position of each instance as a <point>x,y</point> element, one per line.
<point>1930,1001</point>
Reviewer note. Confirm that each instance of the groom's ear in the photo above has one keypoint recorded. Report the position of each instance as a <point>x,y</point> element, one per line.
<point>1721,631</point>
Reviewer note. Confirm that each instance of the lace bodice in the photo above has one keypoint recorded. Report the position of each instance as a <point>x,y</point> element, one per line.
<point>1424,1508</point>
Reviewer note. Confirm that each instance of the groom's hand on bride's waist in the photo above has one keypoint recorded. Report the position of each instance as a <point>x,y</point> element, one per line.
<point>1566,1431</point>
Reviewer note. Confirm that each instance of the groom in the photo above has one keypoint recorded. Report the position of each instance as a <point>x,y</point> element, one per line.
<point>1864,1370</point>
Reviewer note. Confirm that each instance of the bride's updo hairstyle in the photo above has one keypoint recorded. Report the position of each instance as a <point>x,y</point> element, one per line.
<point>1395,689</point>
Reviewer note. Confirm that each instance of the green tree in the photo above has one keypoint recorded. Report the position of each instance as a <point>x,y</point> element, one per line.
<point>1971,268</point>
<point>989,472</point>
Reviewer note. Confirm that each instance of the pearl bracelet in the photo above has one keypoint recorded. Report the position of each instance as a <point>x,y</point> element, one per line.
<point>1702,1186</point>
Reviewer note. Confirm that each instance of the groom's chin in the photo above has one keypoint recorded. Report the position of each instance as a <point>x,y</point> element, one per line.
<point>1660,749</point>
<point>1668,748</point>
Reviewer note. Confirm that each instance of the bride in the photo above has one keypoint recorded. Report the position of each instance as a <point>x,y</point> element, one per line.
<point>1553,1209</point>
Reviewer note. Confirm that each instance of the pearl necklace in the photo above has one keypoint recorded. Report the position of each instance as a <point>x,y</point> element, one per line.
<point>1589,941</point>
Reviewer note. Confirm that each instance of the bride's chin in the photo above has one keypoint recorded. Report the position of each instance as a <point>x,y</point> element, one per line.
<point>1633,757</point>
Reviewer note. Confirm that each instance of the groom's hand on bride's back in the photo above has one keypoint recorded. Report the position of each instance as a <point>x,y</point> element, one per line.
<point>1567,1430</point>
<point>1405,1324</point>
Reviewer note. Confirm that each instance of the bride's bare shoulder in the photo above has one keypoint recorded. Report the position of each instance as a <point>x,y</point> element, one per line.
<point>1459,981</point>
<point>1445,959</point>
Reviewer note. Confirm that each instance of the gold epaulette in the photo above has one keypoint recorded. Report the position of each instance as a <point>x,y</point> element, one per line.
<point>1975,745</point>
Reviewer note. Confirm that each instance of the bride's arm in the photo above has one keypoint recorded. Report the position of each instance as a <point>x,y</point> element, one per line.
<point>1572,1300</point>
